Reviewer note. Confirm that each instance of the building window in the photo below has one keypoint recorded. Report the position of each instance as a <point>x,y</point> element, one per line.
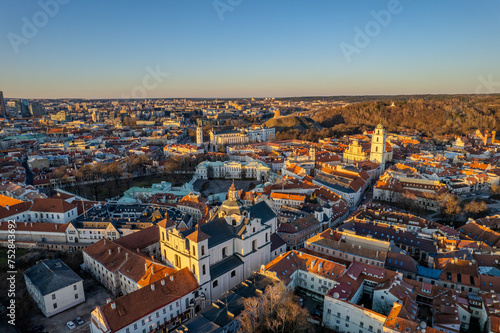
<point>216,283</point>
<point>254,245</point>
<point>194,251</point>
<point>224,252</point>
<point>203,250</point>
<point>53,296</point>
<point>55,305</point>
<point>204,270</point>
<point>74,287</point>
<point>177,261</point>
<point>76,296</point>
<point>233,273</point>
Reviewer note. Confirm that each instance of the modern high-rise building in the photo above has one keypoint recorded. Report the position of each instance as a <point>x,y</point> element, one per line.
<point>22,108</point>
<point>3,109</point>
<point>36,109</point>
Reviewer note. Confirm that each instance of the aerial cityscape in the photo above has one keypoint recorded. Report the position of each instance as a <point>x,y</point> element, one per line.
<point>245,166</point>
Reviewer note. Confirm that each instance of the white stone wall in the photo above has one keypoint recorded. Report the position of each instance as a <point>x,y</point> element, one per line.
<point>343,316</point>
<point>64,299</point>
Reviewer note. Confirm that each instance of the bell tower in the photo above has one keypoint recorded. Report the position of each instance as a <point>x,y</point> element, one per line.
<point>199,136</point>
<point>312,153</point>
<point>378,149</point>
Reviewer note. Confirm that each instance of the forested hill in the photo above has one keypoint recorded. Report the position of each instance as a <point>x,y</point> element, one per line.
<point>292,122</point>
<point>430,115</point>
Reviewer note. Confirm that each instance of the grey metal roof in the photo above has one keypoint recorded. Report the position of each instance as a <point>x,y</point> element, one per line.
<point>276,241</point>
<point>215,317</point>
<point>262,211</point>
<point>50,276</point>
<point>201,324</point>
<point>225,266</point>
<point>218,230</point>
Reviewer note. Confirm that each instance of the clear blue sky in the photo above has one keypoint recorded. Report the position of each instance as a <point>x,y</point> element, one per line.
<point>101,49</point>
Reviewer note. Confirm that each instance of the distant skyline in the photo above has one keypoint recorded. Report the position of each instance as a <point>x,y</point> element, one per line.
<point>247,48</point>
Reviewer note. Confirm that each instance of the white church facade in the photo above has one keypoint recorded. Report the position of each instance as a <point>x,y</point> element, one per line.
<point>227,249</point>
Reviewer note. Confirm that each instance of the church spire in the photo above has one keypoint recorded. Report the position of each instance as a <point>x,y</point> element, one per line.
<point>232,193</point>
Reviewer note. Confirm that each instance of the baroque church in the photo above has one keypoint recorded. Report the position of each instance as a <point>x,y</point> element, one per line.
<point>378,150</point>
<point>227,249</point>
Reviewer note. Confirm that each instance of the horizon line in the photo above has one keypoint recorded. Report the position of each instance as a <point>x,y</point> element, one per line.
<point>272,97</point>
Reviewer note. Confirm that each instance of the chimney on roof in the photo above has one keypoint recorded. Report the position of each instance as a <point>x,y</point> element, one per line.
<point>7,207</point>
<point>119,249</point>
<point>104,241</point>
<point>146,266</point>
<point>171,278</point>
<point>109,251</point>
<point>113,305</point>
<point>126,256</point>
<point>152,287</point>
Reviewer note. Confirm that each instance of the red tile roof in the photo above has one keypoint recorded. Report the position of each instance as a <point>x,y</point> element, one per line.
<point>132,307</point>
<point>52,206</point>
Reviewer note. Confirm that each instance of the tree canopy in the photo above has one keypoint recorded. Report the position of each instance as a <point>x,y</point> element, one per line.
<point>274,311</point>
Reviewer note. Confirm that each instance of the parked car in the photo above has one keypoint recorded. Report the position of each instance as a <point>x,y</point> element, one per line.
<point>79,321</point>
<point>71,325</point>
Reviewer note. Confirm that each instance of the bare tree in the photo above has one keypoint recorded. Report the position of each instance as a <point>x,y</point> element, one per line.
<point>475,208</point>
<point>449,205</point>
<point>274,311</point>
